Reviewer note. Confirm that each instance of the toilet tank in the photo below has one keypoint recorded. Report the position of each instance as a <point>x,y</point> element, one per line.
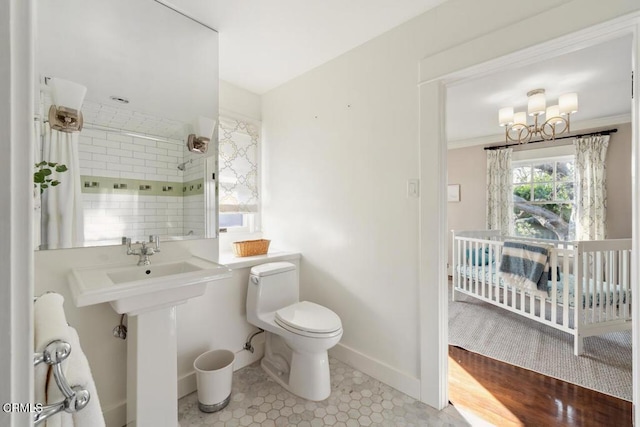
<point>271,287</point>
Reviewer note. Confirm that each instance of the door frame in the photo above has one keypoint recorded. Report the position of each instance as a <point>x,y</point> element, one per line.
<point>433,277</point>
<point>16,172</point>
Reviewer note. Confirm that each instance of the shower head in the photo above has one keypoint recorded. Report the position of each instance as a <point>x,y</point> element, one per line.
<point>182,166</point>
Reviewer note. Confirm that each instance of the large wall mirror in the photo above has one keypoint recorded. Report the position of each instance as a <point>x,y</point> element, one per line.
<point>139,159</point>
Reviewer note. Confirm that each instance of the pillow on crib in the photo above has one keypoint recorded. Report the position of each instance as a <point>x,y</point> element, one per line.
<point>475,256</point>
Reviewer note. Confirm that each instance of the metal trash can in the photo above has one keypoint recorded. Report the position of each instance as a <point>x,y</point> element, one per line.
<point>214,371</point>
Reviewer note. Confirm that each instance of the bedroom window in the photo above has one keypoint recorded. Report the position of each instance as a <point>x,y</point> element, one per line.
<point>543,198</point>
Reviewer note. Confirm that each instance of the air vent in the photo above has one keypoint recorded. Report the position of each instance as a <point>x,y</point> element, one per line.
<point>119,99</point>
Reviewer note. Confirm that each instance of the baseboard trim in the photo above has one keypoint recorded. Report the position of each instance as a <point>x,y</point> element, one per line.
<point>378,370</point>
<point>116,416</point>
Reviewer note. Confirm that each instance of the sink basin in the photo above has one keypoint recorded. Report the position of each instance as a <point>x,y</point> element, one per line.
<point>133,289</point>
<point>133,274</point>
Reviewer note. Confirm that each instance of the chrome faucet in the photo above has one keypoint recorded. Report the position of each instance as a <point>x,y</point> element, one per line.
<point>145,250</point>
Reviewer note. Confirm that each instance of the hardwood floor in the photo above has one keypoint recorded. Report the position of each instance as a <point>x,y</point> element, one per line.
<point>506,395</point>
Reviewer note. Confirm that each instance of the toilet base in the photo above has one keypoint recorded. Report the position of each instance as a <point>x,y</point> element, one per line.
<point>308,378</point>
<point>305,374</point>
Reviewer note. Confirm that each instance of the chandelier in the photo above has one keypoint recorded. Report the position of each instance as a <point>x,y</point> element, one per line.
<point>557,118</point>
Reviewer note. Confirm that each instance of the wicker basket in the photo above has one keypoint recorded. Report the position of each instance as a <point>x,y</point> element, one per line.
<point>251,247</point>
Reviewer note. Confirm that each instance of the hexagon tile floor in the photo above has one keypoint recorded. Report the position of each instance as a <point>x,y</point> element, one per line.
<point>356,400</point>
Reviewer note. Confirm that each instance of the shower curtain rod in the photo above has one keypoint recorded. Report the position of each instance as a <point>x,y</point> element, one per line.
<point>602,132</point>
<point>120,132</point>
<point>128,133</point>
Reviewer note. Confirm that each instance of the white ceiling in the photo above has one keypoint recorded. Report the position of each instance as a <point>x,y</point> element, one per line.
<point>264,44</point>
<point>601,75</point>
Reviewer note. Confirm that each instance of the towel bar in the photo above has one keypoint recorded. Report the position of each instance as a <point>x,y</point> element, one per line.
<point>75,398</point>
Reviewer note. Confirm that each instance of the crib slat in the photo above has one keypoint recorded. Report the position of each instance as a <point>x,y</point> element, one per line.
<point>457,264</point>
<point>598,278</point>
<point>625,283</point>
<point>469,266</point>
<point>485,261</point>
<point>466,263</point>
<point>565,285</point>
<point>554,293</point>
<point>475,260</point>
<point>611,303</point>
<point>591,283</point>
<point>490,267</point>
<point>579,289</point>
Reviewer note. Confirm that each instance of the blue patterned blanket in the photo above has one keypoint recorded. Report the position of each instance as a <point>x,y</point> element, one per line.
<point>525,265</point>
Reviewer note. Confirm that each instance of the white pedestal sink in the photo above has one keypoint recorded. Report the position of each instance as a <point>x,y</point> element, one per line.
<point>149,295</point>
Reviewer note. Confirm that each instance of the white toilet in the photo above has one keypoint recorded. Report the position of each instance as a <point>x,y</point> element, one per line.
<point>298,333</point>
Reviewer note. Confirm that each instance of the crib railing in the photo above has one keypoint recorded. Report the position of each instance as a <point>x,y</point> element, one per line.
<point>589,282</point>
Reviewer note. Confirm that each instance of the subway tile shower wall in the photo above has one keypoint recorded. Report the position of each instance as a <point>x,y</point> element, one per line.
<point>110,216</point>
<point>116,215</point>
<point>120,156</point>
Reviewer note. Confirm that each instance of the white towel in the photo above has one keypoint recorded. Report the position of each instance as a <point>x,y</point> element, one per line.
<point>50,324</point>
<point>77,371</point>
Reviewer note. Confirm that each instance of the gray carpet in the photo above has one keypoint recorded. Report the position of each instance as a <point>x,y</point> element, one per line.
<point>491,331</point>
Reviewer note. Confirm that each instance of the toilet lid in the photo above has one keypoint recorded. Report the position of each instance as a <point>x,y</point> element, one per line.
<point>309,317</point>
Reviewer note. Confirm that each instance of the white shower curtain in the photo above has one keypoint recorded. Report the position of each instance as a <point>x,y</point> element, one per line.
<point>62,213</point>
<point>591,192</point>
<point>499,191</point>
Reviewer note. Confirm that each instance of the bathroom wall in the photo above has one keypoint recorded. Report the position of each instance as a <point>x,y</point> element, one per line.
<point>215,320</point>
<point>341,143</point>
<point>238,101</point>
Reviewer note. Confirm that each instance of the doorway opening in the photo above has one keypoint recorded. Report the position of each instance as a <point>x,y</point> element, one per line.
<point>438,88</point>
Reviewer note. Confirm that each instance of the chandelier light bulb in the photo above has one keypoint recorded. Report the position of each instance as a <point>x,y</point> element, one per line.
<point>568,103</point>
<point>505,116</point>
<point>553,114</point>
<point>519,120</point>
<point>537,102</point>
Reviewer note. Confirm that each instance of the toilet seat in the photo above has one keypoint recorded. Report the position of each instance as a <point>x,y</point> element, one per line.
<point>309,319</point>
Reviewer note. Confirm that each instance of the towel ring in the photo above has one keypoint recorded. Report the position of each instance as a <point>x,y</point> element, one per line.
<point>76,397</point>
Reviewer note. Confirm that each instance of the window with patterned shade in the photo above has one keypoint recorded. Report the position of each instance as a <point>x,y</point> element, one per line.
<point>239,192</point>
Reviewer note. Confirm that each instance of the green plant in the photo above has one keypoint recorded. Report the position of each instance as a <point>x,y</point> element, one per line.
<point>42,177</point>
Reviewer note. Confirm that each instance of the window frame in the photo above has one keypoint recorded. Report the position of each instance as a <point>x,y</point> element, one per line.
<point>249,221</point>
<point>531,162</point>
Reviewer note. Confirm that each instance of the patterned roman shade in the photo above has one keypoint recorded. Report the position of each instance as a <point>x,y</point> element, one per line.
<point>238,164</point>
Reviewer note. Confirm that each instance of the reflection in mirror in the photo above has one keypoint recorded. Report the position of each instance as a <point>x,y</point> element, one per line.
<point>124,159</point>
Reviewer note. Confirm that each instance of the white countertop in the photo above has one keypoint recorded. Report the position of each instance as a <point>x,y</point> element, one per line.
<point>234,262</point>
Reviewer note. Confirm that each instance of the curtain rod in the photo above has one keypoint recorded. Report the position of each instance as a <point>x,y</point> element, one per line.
<point>602,132</point>
<point>120,132</point>
<point>130,133</point>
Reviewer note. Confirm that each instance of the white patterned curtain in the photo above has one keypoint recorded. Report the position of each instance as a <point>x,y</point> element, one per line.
<point>591,193</point>
<point>238,156</point>
<point>499,191</point>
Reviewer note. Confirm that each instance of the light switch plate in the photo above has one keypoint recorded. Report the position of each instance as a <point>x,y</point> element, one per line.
<point>413,188</point>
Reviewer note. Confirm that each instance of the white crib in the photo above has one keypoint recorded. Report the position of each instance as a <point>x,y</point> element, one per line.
<point>589,291</point>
